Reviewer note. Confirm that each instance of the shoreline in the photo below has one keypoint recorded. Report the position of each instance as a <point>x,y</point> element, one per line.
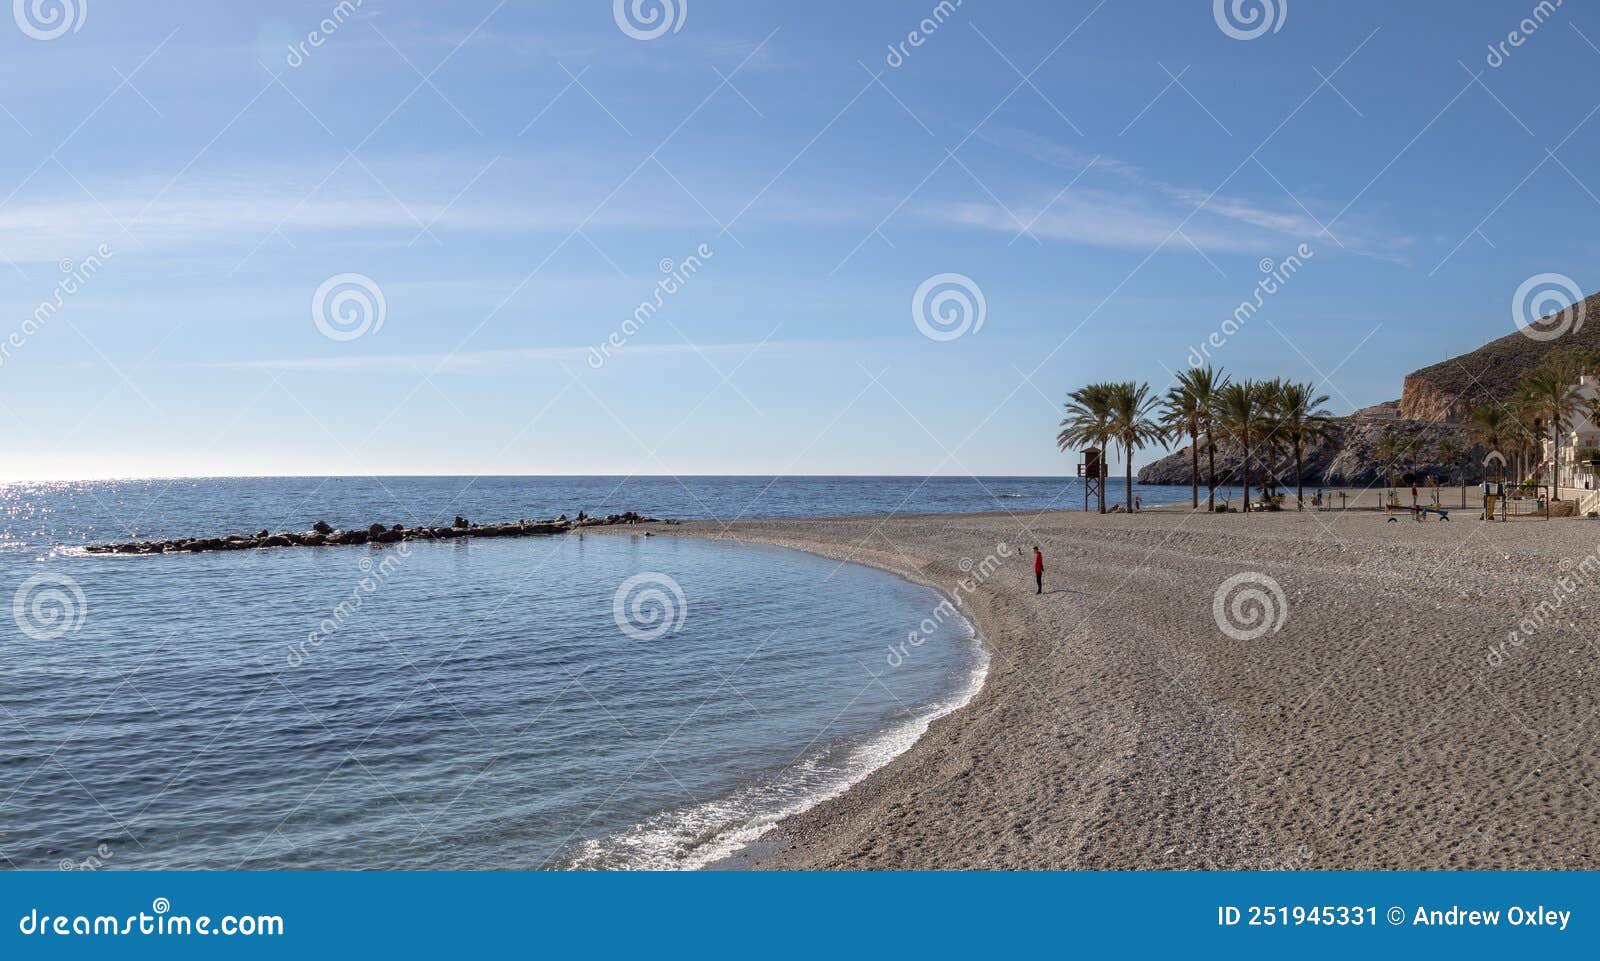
<point>730,851</point>
<point>1118,728</point>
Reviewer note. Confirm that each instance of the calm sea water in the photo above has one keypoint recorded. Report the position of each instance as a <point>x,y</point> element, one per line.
<point>602,702</point>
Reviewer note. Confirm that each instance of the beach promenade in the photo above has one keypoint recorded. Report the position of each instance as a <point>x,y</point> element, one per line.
<point>1291,690</point>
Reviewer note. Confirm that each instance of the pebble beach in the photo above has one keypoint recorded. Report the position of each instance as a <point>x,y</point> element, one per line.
<point>1297,690</point>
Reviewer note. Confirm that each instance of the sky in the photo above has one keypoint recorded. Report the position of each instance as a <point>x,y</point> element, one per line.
<point>887,238</point>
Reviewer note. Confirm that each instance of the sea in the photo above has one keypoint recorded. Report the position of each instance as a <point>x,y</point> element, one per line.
<point>564,702</point>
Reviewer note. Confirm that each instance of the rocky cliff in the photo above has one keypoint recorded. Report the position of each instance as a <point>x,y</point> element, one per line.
<point>1434,403</point>
<point>1448,390</point>
<point>1349,458</point>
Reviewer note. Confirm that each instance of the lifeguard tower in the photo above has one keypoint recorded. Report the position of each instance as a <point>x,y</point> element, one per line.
<point>1093,470</point>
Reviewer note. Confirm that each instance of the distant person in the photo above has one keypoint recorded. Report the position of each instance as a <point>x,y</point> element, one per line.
<point>1413,495</point>
<point>1038,570</point>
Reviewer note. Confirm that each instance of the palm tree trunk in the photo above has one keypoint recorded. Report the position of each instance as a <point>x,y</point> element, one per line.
<point>1105,447</point>
<point>1299,471</point>
<point>1246,437</point>
<point>1127,452</point>
<point>1194,466</point>
<point>1555,465</point>
<point>1211,473</point>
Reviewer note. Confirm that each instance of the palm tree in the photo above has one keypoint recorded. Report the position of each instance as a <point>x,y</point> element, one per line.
<point>1299,419</point>
<point>1524,431</point>
<point>1186,411</point>
<point>1387,450</point>
<point>1242,414</point>
<point>1131,423</point>
<point>1207,385</point>
<point>1446,453</point>
<point>1553,396</point>
<point>1088,423</point>
<point>1488,424</point>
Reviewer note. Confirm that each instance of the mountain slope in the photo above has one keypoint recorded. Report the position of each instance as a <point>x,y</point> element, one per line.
<point>1448,390</point>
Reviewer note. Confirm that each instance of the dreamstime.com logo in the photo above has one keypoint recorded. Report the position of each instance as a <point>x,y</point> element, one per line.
<point>159,920</point>
<point>1541,13</point>
<point>649,605</point>
<point>649,19</point>
<point>373,578</point>
<point>49,19</point>
<point>675,278</point>
<point>48,606</point>
<point>75,278</point>
<point>1249,19</point>
<point>1250,605</point>
<point>948,306</point>
<point>1274,278</point>
<point>973,574</point>
<point>1547,307</point>
<point>900,52</point>
<point>1582,577</point>
<point>337,17</point>
<point>348,306</point>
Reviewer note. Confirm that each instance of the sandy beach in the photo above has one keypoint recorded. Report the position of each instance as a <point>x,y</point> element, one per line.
<point>1121,728</point>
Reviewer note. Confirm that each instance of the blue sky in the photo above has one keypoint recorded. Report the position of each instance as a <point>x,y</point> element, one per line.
<point>511,177</point>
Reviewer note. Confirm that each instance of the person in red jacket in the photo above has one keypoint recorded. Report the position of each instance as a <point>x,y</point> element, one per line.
<point>1038,570</point>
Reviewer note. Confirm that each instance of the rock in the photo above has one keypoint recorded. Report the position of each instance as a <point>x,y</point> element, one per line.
<point>1348,458</point>
<point>321,534</point>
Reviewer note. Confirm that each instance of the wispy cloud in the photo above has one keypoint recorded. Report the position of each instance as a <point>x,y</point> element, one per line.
<point>487,360</point>
<point>1146,209</point>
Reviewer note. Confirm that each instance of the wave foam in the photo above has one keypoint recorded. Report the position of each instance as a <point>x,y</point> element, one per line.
<point>692,837</point>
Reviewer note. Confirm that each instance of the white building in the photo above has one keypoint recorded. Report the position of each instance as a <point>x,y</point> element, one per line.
<point>1582,437</point>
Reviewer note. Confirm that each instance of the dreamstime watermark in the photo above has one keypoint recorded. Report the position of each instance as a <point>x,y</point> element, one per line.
<point>94,862</point>
<point>76,278</point>
<point>649,19</point>
<point>1582,576</point>
<point>1542,11</point>
<point>348,306</point>
<point>159,920</point>
<point>1249,606</point>
<point>948,306</point>
<point>974,574</point>
<point>342,11</point>
<point>49,19</point>
<point>1547,307</point>
<point>676,278</point>
<point>1249,19</point>
<point>1274,276</point>
<point>373,577</point>
<point>927,27</point>
<point>49,606</point>
<point>649,605</point>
